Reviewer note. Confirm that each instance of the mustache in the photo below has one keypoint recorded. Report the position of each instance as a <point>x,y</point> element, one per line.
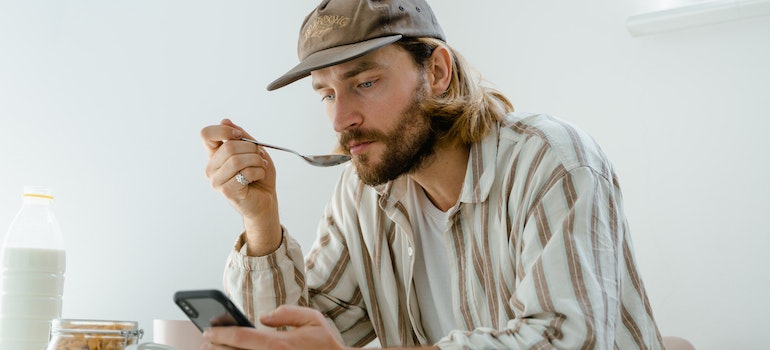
<point>347,137</point>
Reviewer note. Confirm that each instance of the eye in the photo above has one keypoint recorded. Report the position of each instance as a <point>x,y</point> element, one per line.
<point>366,84</point>
<point>328,97</point>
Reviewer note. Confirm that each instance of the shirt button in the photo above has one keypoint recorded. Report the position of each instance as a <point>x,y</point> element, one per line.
<point>409,251</point>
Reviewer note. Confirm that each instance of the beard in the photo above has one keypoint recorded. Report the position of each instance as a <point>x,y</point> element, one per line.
<point>408,147</point>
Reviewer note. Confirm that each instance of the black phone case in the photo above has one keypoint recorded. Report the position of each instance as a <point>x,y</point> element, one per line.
<point>210,308</point>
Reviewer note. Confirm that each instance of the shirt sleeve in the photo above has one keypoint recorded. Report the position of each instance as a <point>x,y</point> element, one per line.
<point>323,280</point>
<point>260,284</point>
<point>571,266</point>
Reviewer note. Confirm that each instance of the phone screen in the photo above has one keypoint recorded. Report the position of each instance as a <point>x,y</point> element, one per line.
<point>210,308</point>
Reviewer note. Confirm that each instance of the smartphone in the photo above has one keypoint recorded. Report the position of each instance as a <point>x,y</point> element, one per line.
<point>210,308</point>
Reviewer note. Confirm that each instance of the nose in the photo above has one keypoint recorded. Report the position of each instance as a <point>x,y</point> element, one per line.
<point>344,113</point>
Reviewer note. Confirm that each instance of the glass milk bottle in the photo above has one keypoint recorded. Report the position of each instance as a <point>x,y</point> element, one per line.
<point>32,264</point>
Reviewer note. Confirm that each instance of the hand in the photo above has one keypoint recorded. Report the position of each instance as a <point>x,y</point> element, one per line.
<point>257,202</point>
<point>310,331</point>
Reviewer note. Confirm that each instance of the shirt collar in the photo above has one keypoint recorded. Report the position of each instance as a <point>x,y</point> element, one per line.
<point>481,170</point>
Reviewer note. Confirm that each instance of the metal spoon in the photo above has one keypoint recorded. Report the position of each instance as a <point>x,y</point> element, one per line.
<point>319,160</point>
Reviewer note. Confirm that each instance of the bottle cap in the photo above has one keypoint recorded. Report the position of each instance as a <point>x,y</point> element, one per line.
<point>38,192</point>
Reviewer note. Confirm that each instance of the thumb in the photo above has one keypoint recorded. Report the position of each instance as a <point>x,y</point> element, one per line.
<point>230,123</point>
<point>292,316</point>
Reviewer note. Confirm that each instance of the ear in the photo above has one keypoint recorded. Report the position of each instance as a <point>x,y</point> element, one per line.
<point>439,70</point>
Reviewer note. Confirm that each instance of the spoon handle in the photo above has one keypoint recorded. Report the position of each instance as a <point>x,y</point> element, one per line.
<point>269,145</point>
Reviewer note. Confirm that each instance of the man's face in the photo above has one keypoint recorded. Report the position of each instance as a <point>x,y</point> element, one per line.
<point>374,103</point>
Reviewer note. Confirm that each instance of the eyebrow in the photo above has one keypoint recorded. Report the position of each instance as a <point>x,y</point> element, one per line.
<point>360,68</point>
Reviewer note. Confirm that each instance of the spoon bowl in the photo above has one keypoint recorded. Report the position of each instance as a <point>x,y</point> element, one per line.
<point>317,160</point>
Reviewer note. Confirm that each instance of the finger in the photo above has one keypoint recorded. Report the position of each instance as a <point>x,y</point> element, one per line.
<point>229,149</point>
<point>253,173</point>
<point>219,335</point>
<point>235,337</point>
<point>250,164</point>
<point>211,346</point>
<point>228,122</point>
<point>215,135</point>
<point>293,316</point>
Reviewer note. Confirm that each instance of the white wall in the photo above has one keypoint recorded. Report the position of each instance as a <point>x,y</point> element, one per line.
<point>103,101</point>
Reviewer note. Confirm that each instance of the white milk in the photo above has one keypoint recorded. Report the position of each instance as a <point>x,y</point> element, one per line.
<point>31,286</point>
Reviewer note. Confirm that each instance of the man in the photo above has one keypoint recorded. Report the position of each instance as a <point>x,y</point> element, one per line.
<point>459,223</point>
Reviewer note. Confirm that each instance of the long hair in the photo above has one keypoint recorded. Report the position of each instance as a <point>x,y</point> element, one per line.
<point>468,110</point>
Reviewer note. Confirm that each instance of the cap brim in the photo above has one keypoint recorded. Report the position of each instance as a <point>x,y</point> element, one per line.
<point>330,57</point>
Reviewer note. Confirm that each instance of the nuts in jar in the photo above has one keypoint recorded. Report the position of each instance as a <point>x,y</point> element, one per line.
<point>71,334</point>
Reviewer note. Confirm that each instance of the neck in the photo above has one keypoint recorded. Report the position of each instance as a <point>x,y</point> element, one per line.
<point>442,180</point>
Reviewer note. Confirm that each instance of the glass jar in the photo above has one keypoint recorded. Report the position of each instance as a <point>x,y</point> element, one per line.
<point>69,334</point>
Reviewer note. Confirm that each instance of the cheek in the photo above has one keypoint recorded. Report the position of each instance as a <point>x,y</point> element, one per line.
<point>394,105</point>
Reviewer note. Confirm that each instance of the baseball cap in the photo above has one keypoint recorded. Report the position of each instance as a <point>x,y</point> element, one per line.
<point>341,30</point>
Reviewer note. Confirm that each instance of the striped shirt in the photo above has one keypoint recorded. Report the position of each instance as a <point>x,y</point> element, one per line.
<point>539,240</point>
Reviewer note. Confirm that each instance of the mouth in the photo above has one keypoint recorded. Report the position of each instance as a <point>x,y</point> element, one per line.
<point>358,147</point>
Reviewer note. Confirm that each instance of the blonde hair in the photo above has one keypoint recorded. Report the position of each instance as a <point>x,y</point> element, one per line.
<point>468,110</point>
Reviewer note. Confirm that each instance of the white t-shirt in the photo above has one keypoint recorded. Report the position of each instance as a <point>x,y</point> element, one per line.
<point>432,278</point>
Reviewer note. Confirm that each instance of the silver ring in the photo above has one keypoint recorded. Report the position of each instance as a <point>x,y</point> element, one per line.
<point>241,179</point>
